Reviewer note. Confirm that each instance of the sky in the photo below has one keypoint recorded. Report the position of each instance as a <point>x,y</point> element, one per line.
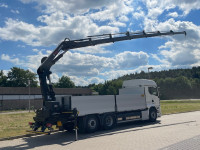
<point>32,29</point>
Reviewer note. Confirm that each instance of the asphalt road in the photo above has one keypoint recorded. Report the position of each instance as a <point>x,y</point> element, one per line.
<point>178,131</point>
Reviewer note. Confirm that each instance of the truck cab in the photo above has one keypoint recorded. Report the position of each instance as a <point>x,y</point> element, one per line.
<point>149,89</point>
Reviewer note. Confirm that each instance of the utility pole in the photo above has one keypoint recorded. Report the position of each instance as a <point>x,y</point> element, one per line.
<point>29,102</point>
<point>149,72</point>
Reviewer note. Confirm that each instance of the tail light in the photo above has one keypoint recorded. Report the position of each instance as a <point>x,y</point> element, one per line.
<point>30,123</point>
<point>48,125</point>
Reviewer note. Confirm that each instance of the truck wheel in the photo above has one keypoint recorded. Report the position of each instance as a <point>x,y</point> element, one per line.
<point>109,121</point>
<point>92,124</point>
<point>152,114</point>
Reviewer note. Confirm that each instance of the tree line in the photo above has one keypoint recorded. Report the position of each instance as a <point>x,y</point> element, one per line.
<point>18,77</point>
<point>173,84</point>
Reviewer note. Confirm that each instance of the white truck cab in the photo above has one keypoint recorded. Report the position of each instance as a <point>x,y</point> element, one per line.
<point>148,88</point>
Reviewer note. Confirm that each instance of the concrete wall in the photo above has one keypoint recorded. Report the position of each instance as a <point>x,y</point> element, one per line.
<point>13,98</point>
<point>20,104</point>
<point>37,91</point>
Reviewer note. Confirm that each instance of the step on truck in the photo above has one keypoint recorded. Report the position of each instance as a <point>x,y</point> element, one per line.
<point>137,99</point>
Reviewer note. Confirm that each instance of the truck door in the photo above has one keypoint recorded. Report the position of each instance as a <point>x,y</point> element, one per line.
<point>152,96</point>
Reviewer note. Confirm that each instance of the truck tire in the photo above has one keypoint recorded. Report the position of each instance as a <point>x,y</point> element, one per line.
<point>109,121</point>
<point>152,114</point>
<point>92,124</point>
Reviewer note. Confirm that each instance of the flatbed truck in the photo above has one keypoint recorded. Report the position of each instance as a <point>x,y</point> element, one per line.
<point>137,99</point>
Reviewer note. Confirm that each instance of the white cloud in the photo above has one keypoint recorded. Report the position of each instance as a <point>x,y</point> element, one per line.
<point>71,6</point>
<point>104,10</point>
<point>35,50</point>
<point>123,18</point>
<point>72,19</point>
<point>173,14</point>
<point>31,61</point>
<point>138,15</point>
<point>77,64</point>
<point>157,7</point>
<point>79,81</point>
<point>17,30</point>
<point>96,80</point>
<point>86,67</point>
<point>116,9</point>
<point>154,13</point>
<point>113,74</point>
<point>15,11</point>
<point>117,24</point>
<point>129,59</point>
<point>73,28</point>
<point>54,78</point>
<point>163,61</point>
<point>9,59</point>
<point>5,72</point>
<point>83,81</point>
<point>186,5</point>
<point>34,61</point>
<point>97,49</point>
<point>22,46</point>
<point>3,5</point>
<point>180,51</point>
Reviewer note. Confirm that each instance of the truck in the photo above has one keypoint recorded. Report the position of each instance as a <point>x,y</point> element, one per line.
<point>137,99</point>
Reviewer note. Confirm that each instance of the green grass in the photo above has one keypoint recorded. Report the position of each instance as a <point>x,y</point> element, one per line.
<point>17,124</point>
<point>14,124</point>
<point>179,106</point>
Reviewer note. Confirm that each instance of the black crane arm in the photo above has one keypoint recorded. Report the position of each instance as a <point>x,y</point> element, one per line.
<point>47,62</point>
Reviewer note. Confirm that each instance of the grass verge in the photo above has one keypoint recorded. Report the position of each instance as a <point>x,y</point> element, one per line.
<point>179,106</point>
<point>16,124</point>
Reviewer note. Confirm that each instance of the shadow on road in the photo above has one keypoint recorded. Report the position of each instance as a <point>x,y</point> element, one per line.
<point>66,138</point>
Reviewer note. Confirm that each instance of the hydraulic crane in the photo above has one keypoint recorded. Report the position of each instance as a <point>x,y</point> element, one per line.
<point>52,112</point>
<point>47,62</point>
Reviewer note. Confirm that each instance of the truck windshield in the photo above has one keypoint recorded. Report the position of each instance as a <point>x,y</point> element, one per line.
<point>153,91</point>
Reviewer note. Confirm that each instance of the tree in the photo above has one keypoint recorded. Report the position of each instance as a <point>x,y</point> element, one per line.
<point>3,79</point>
<point>65,82</point>
<point>18,77</point>
<point>108,88</point>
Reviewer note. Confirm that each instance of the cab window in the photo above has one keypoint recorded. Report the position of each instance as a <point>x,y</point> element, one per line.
<point>153,91</point>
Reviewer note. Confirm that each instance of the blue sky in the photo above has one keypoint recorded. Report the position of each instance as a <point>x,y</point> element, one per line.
<point>31,29</point>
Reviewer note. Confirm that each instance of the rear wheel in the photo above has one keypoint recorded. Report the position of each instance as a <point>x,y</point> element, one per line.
<point>92,124</point>
<point>109,121</point>
<point>152,114</point>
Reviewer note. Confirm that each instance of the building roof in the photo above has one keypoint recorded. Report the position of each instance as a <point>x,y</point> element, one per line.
<point>36,91</point>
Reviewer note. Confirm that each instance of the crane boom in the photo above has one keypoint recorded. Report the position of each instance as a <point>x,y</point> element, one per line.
<point>47,62</point>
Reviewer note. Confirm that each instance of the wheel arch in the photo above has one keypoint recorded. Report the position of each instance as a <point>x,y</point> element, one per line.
<point>152,108</point>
